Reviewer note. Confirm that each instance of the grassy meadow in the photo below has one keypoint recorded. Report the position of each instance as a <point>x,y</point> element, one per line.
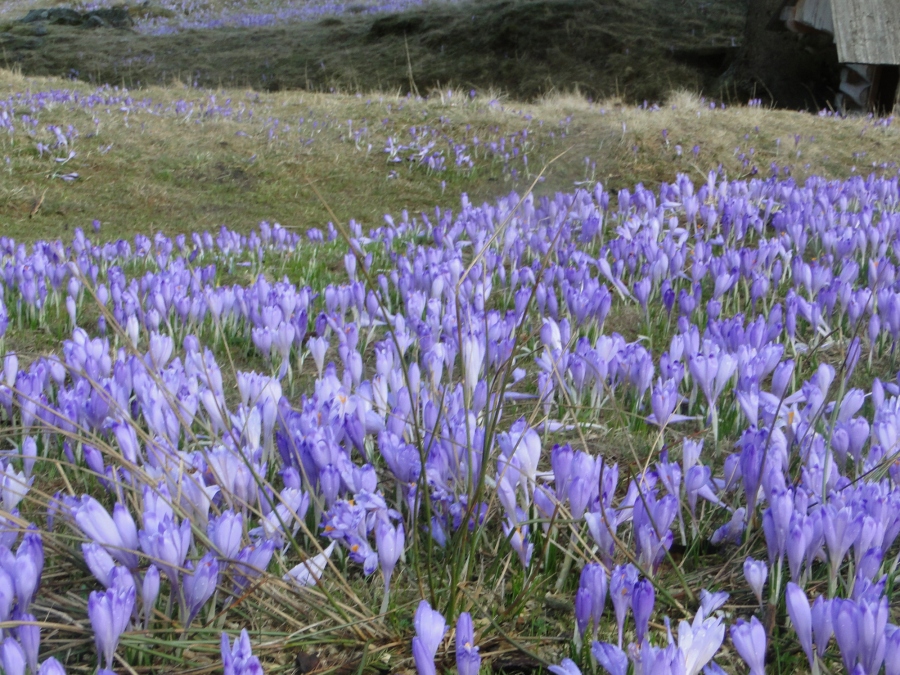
<point>407,362</point>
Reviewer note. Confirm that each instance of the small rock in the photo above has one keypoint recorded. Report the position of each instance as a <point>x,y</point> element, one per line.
<point>94,21</point>
<point>39,30</point>
<point>35,15</point>
<point>117,17</point>
<point>63,16</point>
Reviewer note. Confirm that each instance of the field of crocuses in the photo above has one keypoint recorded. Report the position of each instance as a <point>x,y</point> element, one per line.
<point>432,441</point>
<point>606,429</point>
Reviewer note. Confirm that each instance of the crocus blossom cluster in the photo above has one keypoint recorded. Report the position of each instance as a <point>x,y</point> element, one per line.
<point>411,428</point>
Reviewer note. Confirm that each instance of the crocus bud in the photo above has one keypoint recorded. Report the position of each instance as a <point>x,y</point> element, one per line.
<point>99,562</point>
<point>29,634</point>
<point>756,572</point>
<point>51,667</point>
<point>226,533</point>
<point>750,642</point>
<point>822,625</point>
<point>801,618</point>
<point>149,593</point>
<point>642,600</point>
<point>565,667</point>
<point>593,580</point>
<point>199,586</point>
<point>12,657</point>
<point>389,540</point>
<point>430,628</point>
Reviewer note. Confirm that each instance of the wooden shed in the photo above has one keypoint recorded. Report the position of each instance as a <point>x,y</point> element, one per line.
<point>867,36</point>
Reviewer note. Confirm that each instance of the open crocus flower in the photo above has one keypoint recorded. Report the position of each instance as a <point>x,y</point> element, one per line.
<point>699,641</point>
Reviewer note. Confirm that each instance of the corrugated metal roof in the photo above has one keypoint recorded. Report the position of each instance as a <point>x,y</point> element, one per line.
<point>867,31</point>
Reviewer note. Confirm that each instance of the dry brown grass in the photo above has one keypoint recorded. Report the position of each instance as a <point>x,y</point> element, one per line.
<point>177,173</point>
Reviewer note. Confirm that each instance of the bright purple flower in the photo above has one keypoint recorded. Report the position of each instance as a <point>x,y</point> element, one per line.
<point>583,607</point>
<point>664,400</point>
<point>892,650</point>
<point>822,624</point>
<point>239,659</point>
<point>610,657</point>
<point>710,602</point>
<point>96,523</point>
<point>109,613</point>
<point>621,588</point>
<point>389,539</point>
<point>468,660</point>
<point>776,522</point>
<point>846,621</point>
<point>12,657</point>
<point>200,585</point>
<point>149,593</point>
<point>594,582</point>
<point>750,642</point>
<point>167,545</point>
<point>29,634</point>
<point>26,568</point>
<point>801,618</point>
<point>51,667</point>
<point>430,628</point>
<point>756,572</point>
<point>99,562</point>
<point>642,600</point>
<point>841,528</point>
<point>565,667</point>
<point>226,533</point>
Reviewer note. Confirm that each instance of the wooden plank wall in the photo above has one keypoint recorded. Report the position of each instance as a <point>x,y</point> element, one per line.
<point>815,14</point>
<point>867,31</point>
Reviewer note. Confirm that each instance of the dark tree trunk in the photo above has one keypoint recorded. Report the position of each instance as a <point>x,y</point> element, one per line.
<point>783,68</point>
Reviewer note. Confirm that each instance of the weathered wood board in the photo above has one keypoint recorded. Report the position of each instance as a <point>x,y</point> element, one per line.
<point>867,31</point>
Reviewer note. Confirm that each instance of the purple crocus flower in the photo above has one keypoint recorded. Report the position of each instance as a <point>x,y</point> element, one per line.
<point>29,634</point>
<point>664,399</point>
<point>389,539</point>
<point>610,657</point>
<point>430,628</point>
<point>468,660</point>
<point>699,641</point>
<point>621,588</point>
<point>51,666</point>
<point>822,624</point>
<point>149,593</point>
<point>583,607</point>
<point>801,618</point>
<point>166,544</point>
<point>226,533</point>
<point>841,527</point>
<point>99,526</point>
<point>892,650</point>
<point>199,586</point>
<point>756,572</point>
<point>749,640</point>
<point>239,659</point>
<point>642,600</point>
<point>593,581</point>
<point>99,562</point>
<point>12,657</point>
<point>565,667</point>
<point>109,613</point>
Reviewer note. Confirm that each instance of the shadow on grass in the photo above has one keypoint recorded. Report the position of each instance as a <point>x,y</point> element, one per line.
<point>639,49</point>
